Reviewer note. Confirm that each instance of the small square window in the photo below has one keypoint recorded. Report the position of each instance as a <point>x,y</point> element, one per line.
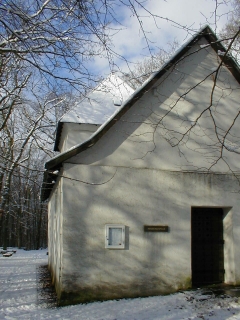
<point>115,236</point>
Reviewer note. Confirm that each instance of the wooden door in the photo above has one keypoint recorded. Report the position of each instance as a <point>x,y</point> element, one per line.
<point>207,246</point>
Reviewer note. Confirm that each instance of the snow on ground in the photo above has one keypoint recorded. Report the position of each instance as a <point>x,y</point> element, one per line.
<point>24,295</point>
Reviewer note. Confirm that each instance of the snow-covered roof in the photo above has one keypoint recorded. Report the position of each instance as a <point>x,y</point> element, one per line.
<point>100,103</point>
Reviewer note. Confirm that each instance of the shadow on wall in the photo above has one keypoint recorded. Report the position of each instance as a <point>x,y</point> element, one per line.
<point>164,116</point>
<point>125,186</point>
<point>152,263</point>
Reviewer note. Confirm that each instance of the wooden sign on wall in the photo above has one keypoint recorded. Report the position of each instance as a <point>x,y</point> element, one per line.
<point>156,228</point>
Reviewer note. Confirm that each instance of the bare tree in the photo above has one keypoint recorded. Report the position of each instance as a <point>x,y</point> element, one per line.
<point>143,69</point>
<point>45,48</point>
<point>232,28</point>
<point>18,149</point>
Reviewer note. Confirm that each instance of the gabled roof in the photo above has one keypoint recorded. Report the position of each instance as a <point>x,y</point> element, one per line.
<point>56,162</point>
<point>97,106</point>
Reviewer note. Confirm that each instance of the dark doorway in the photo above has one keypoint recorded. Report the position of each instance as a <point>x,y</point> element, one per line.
<point>207,246</point>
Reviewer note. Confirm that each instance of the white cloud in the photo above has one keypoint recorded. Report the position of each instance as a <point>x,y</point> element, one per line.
<point>172,19</point>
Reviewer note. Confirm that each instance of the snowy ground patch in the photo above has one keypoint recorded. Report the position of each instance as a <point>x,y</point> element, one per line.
<point>24,295</point>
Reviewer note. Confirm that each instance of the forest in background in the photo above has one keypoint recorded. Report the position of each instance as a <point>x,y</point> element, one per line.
<point>45,50</point>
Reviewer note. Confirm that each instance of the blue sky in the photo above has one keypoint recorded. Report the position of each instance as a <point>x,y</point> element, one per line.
<point>185,17</point>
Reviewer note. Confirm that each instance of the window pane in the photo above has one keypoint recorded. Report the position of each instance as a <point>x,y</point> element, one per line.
<point>115,236</point>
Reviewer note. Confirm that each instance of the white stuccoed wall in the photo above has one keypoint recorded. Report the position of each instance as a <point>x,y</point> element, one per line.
<point>55,236</point>
<point>151,263</point>
<point>144,180</point>
<point>75,133</point>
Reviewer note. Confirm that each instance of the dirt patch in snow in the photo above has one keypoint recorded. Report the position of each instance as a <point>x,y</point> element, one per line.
<point>46,293</point>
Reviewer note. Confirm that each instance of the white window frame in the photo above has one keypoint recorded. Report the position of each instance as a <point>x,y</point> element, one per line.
<point>107,238</point>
